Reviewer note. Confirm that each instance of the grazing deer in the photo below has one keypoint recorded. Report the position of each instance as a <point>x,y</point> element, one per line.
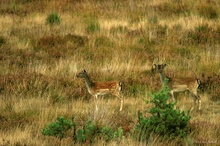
<point>179,84</point>
<point>102,88</point>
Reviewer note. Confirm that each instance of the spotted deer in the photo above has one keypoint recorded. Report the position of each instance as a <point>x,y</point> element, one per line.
<point>179,84</point>
<point>101,88</point>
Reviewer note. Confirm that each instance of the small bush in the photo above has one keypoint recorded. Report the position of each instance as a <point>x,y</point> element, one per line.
<point>53,18</point>
<point>58,129</point>
<point>164,120</point>
<point>91,131</point>
<point>87,134</point>
<point>109,134</point>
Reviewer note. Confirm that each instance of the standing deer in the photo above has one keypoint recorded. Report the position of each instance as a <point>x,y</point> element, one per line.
<point>102,88</point>
<point>180,84</point>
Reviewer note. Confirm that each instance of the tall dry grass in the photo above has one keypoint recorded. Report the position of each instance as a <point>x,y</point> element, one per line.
<point>117,40</point>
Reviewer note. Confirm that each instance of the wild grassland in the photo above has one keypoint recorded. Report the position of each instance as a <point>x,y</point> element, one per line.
<point>117,40</point>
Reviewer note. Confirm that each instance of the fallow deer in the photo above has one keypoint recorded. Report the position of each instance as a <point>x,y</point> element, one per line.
<point>102,88</point>
<point>179,84</point>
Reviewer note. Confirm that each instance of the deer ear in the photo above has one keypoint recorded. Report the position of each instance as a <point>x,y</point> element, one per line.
<point>84,70</point>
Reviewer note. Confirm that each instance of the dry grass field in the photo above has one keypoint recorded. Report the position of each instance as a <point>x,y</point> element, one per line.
<point>111,40</point>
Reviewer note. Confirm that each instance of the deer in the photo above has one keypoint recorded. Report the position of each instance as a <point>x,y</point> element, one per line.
<point>102,88</point>
<point>180,84</point>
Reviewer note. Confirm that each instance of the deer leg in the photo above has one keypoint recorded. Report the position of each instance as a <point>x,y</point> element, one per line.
<point>172,94</point>
<point>96,101</point>
<point>173,98</point>
<point>199,102</point>
<point>121,98</point>
<point>196,97</point>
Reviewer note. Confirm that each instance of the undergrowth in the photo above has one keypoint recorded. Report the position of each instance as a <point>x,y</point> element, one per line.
<point>165,121</point>
<point>87,133</point>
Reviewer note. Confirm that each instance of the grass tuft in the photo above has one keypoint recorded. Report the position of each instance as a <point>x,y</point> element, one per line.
<point>53,19</point>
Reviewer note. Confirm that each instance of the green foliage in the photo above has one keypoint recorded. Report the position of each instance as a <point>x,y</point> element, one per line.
<point>91,131</point>
<point>109,134</point>
<point>88,133</point>
<point>164,120</point>
<point>53,18</point>
<point>58,129</point>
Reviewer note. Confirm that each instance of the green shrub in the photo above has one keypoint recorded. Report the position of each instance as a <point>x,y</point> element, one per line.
<point>164,120</point>
<point>88,133</point>
<point>91,131</point>
<point>53,18</point>
<point>58,129</point>
<point>109,134</point>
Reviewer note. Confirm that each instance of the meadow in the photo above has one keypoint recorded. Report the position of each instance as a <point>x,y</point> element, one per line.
<point>112,40</point>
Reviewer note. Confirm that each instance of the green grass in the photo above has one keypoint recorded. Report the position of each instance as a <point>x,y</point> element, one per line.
<point>111,40</point>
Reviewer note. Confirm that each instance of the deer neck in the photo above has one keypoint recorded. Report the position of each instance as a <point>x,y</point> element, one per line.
<point>162,77</point>
<point>88,82</point>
